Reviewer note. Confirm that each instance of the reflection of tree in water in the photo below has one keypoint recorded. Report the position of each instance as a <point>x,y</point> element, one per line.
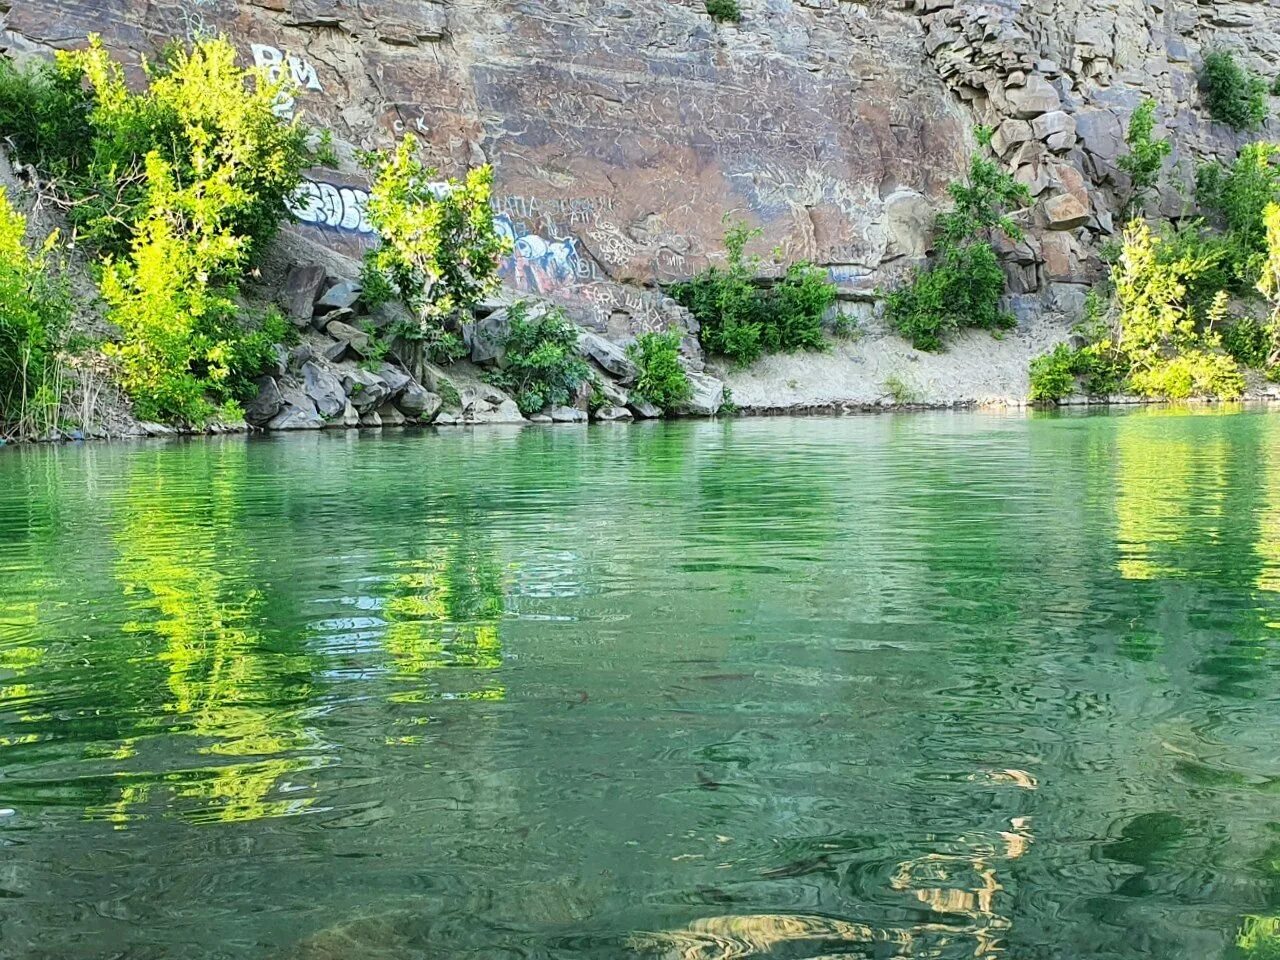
<point>445,611</point>
<point>186,573</point>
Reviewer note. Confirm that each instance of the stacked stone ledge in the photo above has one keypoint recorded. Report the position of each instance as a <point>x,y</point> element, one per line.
<point>330,380</point>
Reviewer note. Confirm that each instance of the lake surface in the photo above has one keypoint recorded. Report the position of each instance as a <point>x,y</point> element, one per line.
<point>936,685</point>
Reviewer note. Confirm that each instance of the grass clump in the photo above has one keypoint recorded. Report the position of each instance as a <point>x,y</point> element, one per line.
<point>743,318</point>
<point>34,314</point>
<point>439,248</point>
<point>1236,197</point>
<point>541,366</point>
<point>662,380</point>
<point>963,284</point>
<point>1233,94</point>
<point>724,11</point>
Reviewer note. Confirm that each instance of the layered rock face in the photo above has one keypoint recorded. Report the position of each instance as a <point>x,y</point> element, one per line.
<point>621,134</point>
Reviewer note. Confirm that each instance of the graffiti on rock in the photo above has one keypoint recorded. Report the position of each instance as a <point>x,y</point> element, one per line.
<point>332,206</point>
<point>538,264</point>
<point>301,72</point>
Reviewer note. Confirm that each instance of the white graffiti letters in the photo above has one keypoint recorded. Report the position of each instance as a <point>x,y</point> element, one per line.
<point>301,72</point>
<point>327,205</point>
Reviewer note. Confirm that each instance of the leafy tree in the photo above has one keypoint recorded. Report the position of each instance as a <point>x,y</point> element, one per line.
<point>662,381</point>
<point>540,366</point>
<point>1234,95</point>
<point>963,285</point>
<point>34,313</point>
<point>439,251</point>
<point>743,318</point>
<point>179,185</point>
<point>1146,154</point>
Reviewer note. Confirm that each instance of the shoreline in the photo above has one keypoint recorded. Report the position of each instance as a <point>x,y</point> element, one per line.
<point>852,409</point>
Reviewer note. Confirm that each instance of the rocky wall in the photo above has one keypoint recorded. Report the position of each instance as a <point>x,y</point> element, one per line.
<point>622,133</point>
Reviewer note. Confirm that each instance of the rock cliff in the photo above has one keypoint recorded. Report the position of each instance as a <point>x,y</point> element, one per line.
<point>621,134</point>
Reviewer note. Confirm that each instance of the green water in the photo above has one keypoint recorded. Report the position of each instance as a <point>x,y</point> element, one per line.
<point>944,686</point>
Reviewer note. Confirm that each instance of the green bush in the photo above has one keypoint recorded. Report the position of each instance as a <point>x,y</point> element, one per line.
<point>724,10</point>
<point>34,314</point>
<point>961,288</point>
<point>662,381</point>
<point>1237,197</point>
<point>744,318</point>
<point>541,366</point>
<point>1235,96</point>
<point>1251,342</point>
<point>44,114</point>
<point>1053,375</point>
<point>1146,154</point>
<point>439,248</point>
<point>963,285</point>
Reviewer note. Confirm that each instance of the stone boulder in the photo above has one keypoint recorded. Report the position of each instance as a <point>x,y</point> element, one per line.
<point>644,410</point>
<point>708,395</point>
<point>418,402</point>
<point>612,414</point>
<point>608,356</point>
<point>266,405</point>
<point>1065,212</point>
<point>301,290</point>
<point>298,411</point>
<point>324,389</point>
<point>366,391</point>
<point>343,295</point>
<point>483,338</point>
<point>567,415</point>
<point>357,339</point>
<point>391,416</point>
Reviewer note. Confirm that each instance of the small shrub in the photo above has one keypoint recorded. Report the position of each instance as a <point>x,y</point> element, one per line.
<point>1275,87</point>
<point>1196,372</point>
<point>899,391</point>
<point>662,381</point>
<point>963,285</point>
<point>1053,375</point>
<point>1146,154</point>
<point>439,248</point>
<point>724,11</point>
<point>962,288</point>
<point>34,314</point>
<point>44,114</point>
<point>541,367</point>
<point>743,318</point>
<point>1234,95</point>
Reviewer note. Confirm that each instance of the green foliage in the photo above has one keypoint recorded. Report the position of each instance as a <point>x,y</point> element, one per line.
<point>961,288</point>
<point>1234,95</point>
<point>1238,197</point>
<point>742,318</point>
<point>77,121</point>
<point>44,114</point>
<point>34,314</point>
<point>662,381</point>
<point>179,185</point>
<point>1053,375</point>
<point>439,251</point>
<point>1251,342</point>
<point>541,366</point>
<point>963,285</point>
<point>1146,154</point>
<point>724,11</point>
